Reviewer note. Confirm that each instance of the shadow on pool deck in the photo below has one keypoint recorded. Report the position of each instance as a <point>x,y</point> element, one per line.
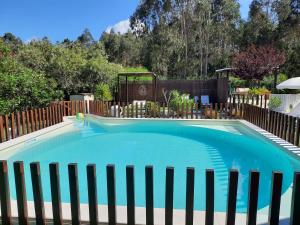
<point>281,222</point>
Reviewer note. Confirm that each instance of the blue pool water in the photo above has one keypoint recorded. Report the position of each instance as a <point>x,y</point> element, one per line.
<point>181,144</point>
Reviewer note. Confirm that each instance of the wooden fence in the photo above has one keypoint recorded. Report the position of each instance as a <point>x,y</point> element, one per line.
<point>20,123</point>
<point>161,110</point>
<point>216,89</point>
<point>275,200</point>
<point>282,125</point>
<point>257,100</point>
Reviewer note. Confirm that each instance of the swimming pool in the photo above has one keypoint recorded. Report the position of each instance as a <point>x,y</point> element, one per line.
<point>218,145</point>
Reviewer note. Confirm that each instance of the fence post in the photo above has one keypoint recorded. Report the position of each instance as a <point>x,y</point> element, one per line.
<point>1,130</point>
<point>231,199</point>
<point>74,193</point>
<point>7,128</point>
<point>274,208</point>
<point>253,198</point>
<point>189,209</point>
<point>5,194</point>
<point>295,205</point>
<point>296,142</point>
<point>169,196</point>
<point>210,192</point>
<point>130,195</point>
<point>21,193</point>
<point>111,194</point>
<point>13,131</point>
<point>37,193</point>
<point>55,193</point>
<point>92,193</point>
<point>149,195</point>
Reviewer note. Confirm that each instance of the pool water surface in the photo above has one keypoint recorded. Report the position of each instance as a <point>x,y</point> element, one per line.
<point>218,145</point>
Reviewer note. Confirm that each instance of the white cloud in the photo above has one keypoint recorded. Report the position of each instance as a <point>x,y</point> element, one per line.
<point>121,27</point>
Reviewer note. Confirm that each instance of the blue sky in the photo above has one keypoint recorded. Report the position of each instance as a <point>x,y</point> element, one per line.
<point>59,19</point>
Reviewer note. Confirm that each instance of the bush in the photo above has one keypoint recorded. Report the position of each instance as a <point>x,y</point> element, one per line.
<point>103,93</point>
<point>152,109</point>
<point>274,102</point>
<point>22,88</point>
<point>179,99</point>
<point>258,91</point>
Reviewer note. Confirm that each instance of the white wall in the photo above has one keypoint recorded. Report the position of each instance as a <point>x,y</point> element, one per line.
<point>287,100</point>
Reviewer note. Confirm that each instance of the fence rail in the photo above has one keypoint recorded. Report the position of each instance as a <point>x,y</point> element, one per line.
<point>251,215</point>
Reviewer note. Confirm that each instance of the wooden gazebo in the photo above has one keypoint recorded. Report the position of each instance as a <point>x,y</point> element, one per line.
<point>136,74</point>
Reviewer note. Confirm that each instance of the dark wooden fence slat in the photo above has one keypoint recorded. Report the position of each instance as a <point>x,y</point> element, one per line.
<point>130,195</point>
<point>169,196</point>
<point>210,194</point>
<point>5,194</point>
<point>295,205</point>
<point>36,119</point>
<point>274,208</point>
<point>1,130</point>
<point>18,124</point>
<point>232,194</point>
<point>149,195</point>
<point>13,131</point>
<point>32,121</point>
<point>37,193</point>
<point>21,193</point>
<point>189,209</point>
<point>92,193</point>
<point>74,193</point>
<point>111,194</point>
<point>28,125</point>
<point>7,133</point>
<point>24,129</point>
<point>296,142</point>
<point>55,193</point>
<point>253,198</point>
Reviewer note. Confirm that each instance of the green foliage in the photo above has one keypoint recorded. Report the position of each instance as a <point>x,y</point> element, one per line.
<point>103,93</point>
<point>178,99</point>
<point>137,69</point>
<point>274,102</point>
<point>258,91</point>
<point>237,82</point>
<point>22,88</point>
<point>268,81</point>
<point>152,109</point>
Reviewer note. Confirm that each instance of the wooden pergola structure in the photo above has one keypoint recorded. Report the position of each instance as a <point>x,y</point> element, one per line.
<point>137,74</point>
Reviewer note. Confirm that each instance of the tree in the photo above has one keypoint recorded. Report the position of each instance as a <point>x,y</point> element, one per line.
<point>257,62</point>
<point>22,88</point>
<point>86,38</point>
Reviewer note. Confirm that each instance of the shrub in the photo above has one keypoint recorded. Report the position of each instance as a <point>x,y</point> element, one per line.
<point>103,93</point>
<point>179,99</point>
<point>152,109</point>
<point>258,91</point>
<point>274,102</point>
<point>22,88</point>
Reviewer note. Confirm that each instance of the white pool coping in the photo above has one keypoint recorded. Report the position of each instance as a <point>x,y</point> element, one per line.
<point>159,215</point>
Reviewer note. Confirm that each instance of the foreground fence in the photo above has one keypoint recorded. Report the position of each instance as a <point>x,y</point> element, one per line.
<point>275,200</point>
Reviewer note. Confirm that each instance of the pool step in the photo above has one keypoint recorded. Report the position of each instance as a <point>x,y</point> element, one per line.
<point>221,175</point>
